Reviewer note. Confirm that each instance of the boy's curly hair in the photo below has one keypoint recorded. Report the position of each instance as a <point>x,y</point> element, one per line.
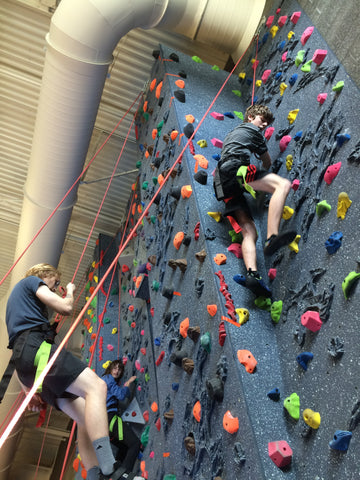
<point>113,364</point>
<point>43,270</point>
<point>262,110</point>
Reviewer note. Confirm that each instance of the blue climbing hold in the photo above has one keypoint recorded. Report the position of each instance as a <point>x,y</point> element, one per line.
<point>175,387</point>
<point>274,394</point>
<point>297,135</point>
<point>265,37</point>
<point>249,81</point>
<point>157,341</point>
<point>341,138</point>
<point>240,279</point>
<point>255,98</point>
<point>217,156</point>
<point>229,114</point>
<point>333,243</point>
<point>281,46</point>
<point>304,358</point>
<point>293,79</point>
<point>278,75</point>
<point>341,440</point>
<point>141,146</point>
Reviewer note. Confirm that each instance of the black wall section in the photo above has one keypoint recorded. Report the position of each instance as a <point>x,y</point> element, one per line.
<point>161,290</point>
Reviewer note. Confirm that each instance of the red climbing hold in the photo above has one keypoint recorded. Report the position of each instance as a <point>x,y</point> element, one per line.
<point>306,35</point>
<point>268,132</point>
<point>311,320</point>
<point>265,75</point>
<point>236,249</point>
<point>146,415</point>
<point>160,358</point>
<point>282,20</point>
<point>321,98</point>
<point>197,231</point>
<point>319,56</point>
<point>295,17</point>
<point>272,273</point>
<point>222,333</point>
<point>280,453</point>
<point>331,172</point>
<point>269,21</point>
<point>295,184</point>
<point>284,142</point>
<point>216,142</point>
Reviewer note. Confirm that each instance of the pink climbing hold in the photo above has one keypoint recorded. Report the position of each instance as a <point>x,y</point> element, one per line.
<point>265,75</point>
<point>236,249</point>
<point>268,132</point>
<point>306,35</point>
<point>284,142</point>
<point>216,142</point>
<point>321,98</point>
<point>282,20</point>
<point>280,453</point>
<point>295,184</point>
<point>217,116</point>
<point>269,21</point>
<point>272,273</point>
<point>311,320</point>
<point>137,365</point>
<point>283,56</point>
<point>110,347</point>
<point>319,56</point>
<point>295,17</point>
<point>331,172</point>
<point>255,65</point>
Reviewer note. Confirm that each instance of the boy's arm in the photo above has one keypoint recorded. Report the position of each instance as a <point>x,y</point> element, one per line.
<point>266,160</point>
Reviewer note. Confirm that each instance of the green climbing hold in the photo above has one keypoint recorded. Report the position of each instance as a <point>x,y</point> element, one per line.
<point>349,282</point>
<point>159,127</point>
<point>93,302</point>
<point>169,476</point>
<point>299,57</point>
<point>87,286</point>
<point>106,320</point>
<point>138,164</point>
<point>275,311</point>
<point>307,67</point>
<point>145,185</point>
<point>155,285</point>
<point>322,207</point>
<point>264,303</point>
<point>135,262</point>
<point>154,180</point>
<point>292,405</point>
<point>205,341</point>
<point>153,218</point>
<point>145,436</point>
<point>215,67</point>
<point>114,291</point>
<point>123,288</point>
<point>239,115</point>
<point>235,237</point>
<point>237,93</point>
<point>339,86</point>
<point>146,116</point>
<point>197,59</point>
<point>147,377</point>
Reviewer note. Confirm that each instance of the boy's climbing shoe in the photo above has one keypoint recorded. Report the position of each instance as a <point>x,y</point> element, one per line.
<point>254,283</point>
<point>117,474</point>
<point>275,242</point>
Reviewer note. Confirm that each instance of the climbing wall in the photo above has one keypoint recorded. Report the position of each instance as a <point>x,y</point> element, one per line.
<point>224,379</point>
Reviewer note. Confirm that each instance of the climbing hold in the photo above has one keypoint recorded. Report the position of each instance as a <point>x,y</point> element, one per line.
<point>274,394</point>
<point>333,243</point>
<point>338,87</point>
<point>247,359</point>
<point>348,284</point>
<point>304,358</point>
<point>273,30</point>
<point>201,177</point>
<point>269,21</point>
<point>336,347</point>
<point>282,88</point>
<point>201,161</point>
<point>188,365</point>
<point>188,130</point>
<point>190,118</point>
<point>295,184</point>
<point>242,75</point>
<point>292,115</point>
<point>258,83</point>
<point>282,20</point>
<point>217,115</point>
<point>311,320</point>
<point>265,75</point>
<point>196,59</point>
<point>180,83</point>
<point>243,315</point>
<point>212,309</point>
<point>321,98</point>
<point>180,95</point>
<point>205,342</point>
<point>220,259</point>
<point>343,205</point>
<point>290,34</point>
<point>342,138</point>
<point>236,249</point>
<point>280,453</point>
<point>299,57</point>
<point>179,237</point>
<point>201,255</point>
<point>294,245</point>
<point>186,191</point>
<point>341,440</point>
<point>306,67</point>
<point>173,135</point>
<point>272,273</point>
<point>175,386</point>
<point>189,443</point>
<point>295,17</point>
<point>114,331</point>
<point>237,93</point>
<point>331,172</point>
<point>275,311</point>
<point>306,35</point>
<point>178,356</point>
<point>230,423</point>
<point>322,207</point>
<point>284,142</point>
<point>264,303</point>
<point>202,143</point>
<point>319,56</point>
<point>197,411</point>
<point>289,162</point>
<point>160,358</point>
<point>222,333</point>
<point>154,407</point>
<point>215,388</point>
<point>312,418</point>
<point>216,142</point>
<point>145,436</point>
<point>287,212</point>
<point>268,132</point>
<point>215,215</point>
<point>284,56</point>
<point>184,325</point>
<point>292,406</point>
<point>194,333</point>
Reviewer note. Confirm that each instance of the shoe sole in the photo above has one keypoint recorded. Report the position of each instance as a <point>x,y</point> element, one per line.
<point>281,240</point>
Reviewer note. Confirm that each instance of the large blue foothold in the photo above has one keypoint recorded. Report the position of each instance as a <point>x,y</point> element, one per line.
<point>304,358</point>
<point>274,394</point>
<point>217,156</point>
<point>293,79</point>
<point>341,138</point>
<point>333,243</point>
<point>240,279</point>
<point>341,440</point>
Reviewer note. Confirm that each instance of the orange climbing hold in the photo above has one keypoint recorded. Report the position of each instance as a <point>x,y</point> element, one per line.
<point>160,179</point>
<point>154,407</point>
<point>152,85</point>
<point>220,259</point>
<point>145,105</point>
<point>201,161</point>
<point>180,83</point>
<point>154,133</point>
<point>174,134</point>
<point>212,309</point>
<point>190,118</point>
<point>197,411</point>
<point>179,237</point>
<point>230,423</point>
<point>247,359</point>
<point>184,325</point>
<point>186,191</point>
<point>158,90</point>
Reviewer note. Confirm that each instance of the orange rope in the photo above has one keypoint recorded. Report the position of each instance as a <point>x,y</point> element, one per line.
<point>253,89</point>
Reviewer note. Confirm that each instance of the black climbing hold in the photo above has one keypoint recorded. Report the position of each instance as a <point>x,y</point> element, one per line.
<point>188,130</point>
<point>174,57</point>
<point>175,192</point>
<point>178,356</point>
<point>215,388</point>
<point>182,74</point>
<point>156,54</point>
<point>180,95</point>
<point>201,177</point>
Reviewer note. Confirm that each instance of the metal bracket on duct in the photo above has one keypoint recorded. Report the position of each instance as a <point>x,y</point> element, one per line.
<point>82,37</point>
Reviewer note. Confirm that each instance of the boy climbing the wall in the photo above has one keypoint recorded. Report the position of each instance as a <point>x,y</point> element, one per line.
<point>235,176</point>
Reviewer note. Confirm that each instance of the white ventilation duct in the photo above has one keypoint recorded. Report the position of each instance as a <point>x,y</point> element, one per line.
<point>82,37</point>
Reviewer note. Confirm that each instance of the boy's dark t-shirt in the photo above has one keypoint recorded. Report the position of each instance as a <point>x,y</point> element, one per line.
<point>24,310</point>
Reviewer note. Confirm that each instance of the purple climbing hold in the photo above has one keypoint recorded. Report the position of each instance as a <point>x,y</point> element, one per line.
<point>334,242</point>
<point>304,358</point>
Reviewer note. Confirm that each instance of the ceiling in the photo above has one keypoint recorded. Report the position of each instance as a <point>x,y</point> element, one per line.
<point>24,24</point>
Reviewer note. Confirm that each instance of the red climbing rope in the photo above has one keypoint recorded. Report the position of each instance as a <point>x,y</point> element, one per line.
<point>255,67</point>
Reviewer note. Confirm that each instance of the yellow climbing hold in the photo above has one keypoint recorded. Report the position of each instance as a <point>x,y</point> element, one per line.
<point>258,83</point>
<point>292,115</point>
<point>287,213</point>
<point>106,364</point>
<point>242,75</point>
<point>273,30</point>
<point>290,34</point>
<point>243,315</point>
<point>202,143</point>
<point>215,215</point>
<point>311,418</point>
<point>90,329</point>
<point>282,88</point>
<point>289,162</point>
<point>114,331</point>
<point>294,245</point>
<point>343,205</point>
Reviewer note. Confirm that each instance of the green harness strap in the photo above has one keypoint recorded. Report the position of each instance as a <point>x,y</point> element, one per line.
<point>241,174</point>
<point>120,426</point>
<point>41,360</point>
